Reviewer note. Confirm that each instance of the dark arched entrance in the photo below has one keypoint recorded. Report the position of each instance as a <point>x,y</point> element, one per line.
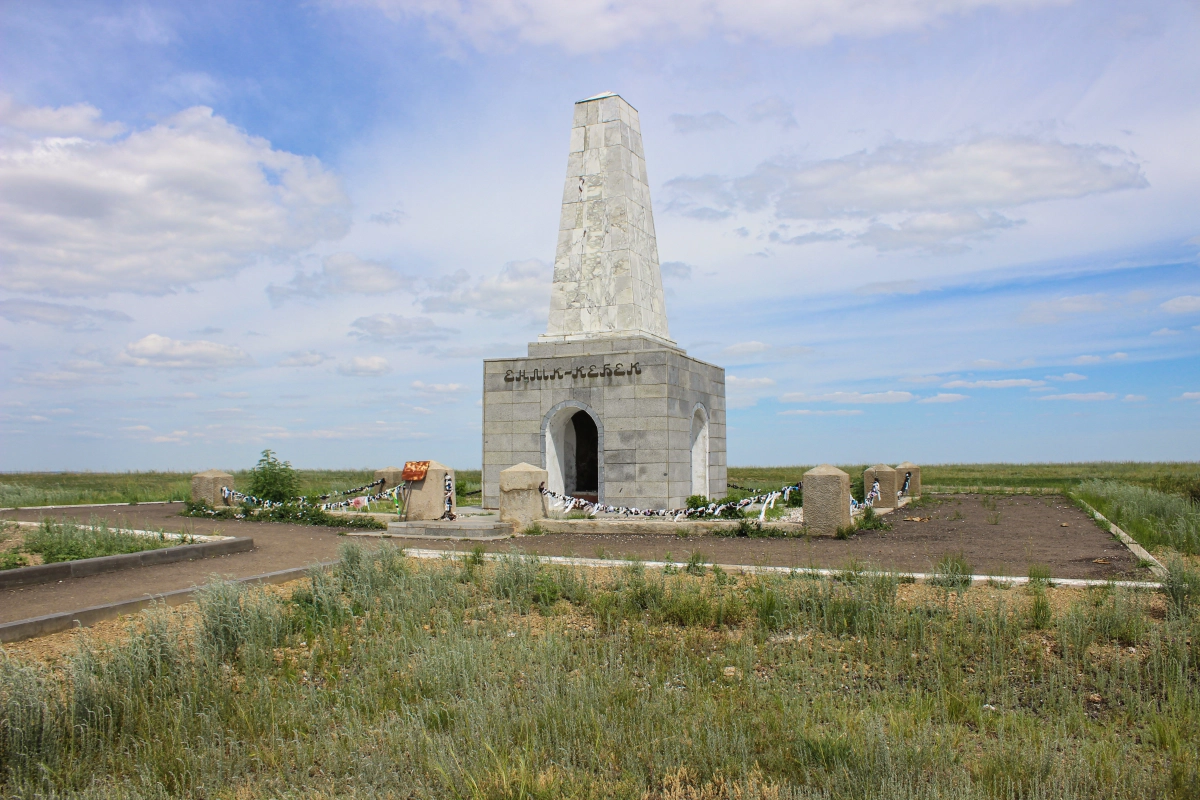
<point>586,466</point>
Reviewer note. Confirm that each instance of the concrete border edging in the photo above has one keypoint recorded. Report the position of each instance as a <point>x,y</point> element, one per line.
<point>96,505</point>
<point>87,617</point>
<point>81,568</point>
<point>1135,548</point>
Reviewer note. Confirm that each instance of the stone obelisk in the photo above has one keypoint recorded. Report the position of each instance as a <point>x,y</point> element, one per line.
<point>606,276</point>
<point>606,402</point>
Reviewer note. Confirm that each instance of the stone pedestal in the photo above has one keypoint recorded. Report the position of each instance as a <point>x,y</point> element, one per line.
<point>207,485</point>
<point>826,499</point>
<point>521,500</point>
<point>914,480</point>
<point>391,477</point>
<point>427,498</point>
<point>887,485</point>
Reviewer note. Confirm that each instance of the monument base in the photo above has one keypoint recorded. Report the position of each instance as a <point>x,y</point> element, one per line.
<point>627,419</point>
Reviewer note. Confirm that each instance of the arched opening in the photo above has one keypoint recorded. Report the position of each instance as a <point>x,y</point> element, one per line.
<point>574,458</point>
<point>699,440</point>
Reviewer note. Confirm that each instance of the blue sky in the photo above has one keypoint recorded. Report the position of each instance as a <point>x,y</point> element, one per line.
<point>955,230</point>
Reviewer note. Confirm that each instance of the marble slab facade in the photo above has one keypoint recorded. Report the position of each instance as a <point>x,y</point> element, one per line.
<point>643,396</point>
<point>606,273</point>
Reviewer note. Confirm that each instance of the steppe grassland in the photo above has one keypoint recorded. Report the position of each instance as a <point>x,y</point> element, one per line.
<point>49,488</point>
<point>463,678</point>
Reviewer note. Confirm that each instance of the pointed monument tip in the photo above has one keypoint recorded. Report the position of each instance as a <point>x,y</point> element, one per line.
<point>601,96</point>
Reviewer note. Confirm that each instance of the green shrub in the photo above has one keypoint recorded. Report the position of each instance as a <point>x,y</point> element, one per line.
<point>67,541</point>
<point>697,501</point>
<point>1181,586</point>
<point>695,564</point>
<point>274,480</point>
<point>952,572</point>
<point>12,561</point>
<point>1039,574</point>
<point>1039,614</point>
<point>872,521</point>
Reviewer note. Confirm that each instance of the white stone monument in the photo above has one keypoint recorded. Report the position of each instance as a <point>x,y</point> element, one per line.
<point>605,401</point>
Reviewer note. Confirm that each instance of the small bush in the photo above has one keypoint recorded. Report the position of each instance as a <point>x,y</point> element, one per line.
<point>731,512</point>
<point>697,501</point>
<point>952,572</point>
<point>534,529</point>
<point>12,561</point>
<point>1181,586</point>
<point>1039,574</point>
<point>695,564</point>
<point>844,532</point>
<point>872,521</point>
<point>274,480</point>
<point>1039,611</point>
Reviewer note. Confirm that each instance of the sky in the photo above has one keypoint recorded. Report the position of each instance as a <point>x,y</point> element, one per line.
<point>933,230</point>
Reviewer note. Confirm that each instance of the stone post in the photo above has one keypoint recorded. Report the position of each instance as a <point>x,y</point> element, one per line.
<point>826,499</point>
<point>914,480</point>
<point>521,500</point>
<point>427,499</point>
<point>391,477</point>
<point>207,485</point>
<point>887,485</point>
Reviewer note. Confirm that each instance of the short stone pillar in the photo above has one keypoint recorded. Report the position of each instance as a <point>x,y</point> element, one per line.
<point>826,499</point>
<point>427,498</point>
<point>521,499</point>
<point>914,479</point>
<point>887,485</point>
<point>391,477</point>
<point>207,485</point>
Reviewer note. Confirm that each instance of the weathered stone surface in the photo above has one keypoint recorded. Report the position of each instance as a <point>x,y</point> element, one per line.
<point>391,477</point>
<point>606,276</point>
<point>521,499</point>
<point>644,441</point>
<point>914,481</point>
<point>206,486</point>
<point>887,484</point>
<point>826,499</point>
<point>427,498</point>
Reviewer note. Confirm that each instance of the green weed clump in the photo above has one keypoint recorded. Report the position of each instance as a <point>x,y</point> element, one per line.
<point>70,541</point>
<point>385,677</point>
<point>952,572</point>
<point>1153,518</point>
<point>872,521</point>
<point>274,480</point>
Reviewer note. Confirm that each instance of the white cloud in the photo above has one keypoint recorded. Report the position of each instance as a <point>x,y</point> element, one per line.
<point>1003,383</point>
<point>944,397</point>
<point>308,358</point>
<point>675,269</point>
<point>520,287</point>
<point>397,329</point>
<point>1119,356</point>
<point>72,318</point>
<point>80,119</point>
<point>696,123</point>
<point>773,109</point>
<point>1134,398</point>
<point>1189,396</point>
<point>1184,304</point>
<point>1081,397</point>
<point>746,348</point>
<point>341,273</point>
<point>808,412</point>
<point>438,388</point>
<point>162,352</point>
<point>365,366</point>
<point>192,198</point>
<point>848,397</point>
<point>593,27</point>
<point>733,381</point>
<point>1067,377</point>
<point>1046,312</point>
<point>1166,332</point>
<point>934,196</point>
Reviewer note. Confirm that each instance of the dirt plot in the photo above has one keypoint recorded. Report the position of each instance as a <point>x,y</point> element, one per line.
<point>276,547</point>
<point>997,535</point>
<point>1003,540</point>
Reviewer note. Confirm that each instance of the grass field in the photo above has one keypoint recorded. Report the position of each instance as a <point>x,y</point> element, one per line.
<point>387,677</point>
<point>53,542</point>
<point>49,488</point>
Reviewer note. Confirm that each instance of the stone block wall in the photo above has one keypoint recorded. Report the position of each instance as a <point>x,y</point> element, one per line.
<point>644,415</point>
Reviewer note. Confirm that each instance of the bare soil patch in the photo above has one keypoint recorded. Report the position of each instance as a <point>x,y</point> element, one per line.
<point>997,536</point>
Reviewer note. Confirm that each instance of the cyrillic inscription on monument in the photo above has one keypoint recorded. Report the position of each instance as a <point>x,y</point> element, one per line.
<point>558,373</point>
